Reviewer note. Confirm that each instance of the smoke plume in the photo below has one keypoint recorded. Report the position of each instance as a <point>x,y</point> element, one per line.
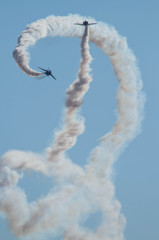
<point>79,191</point>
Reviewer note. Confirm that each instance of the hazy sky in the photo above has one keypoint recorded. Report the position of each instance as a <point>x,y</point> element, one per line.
<point>32,109</point>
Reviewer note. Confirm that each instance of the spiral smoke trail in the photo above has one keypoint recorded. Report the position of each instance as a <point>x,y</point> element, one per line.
<point>79,191</point>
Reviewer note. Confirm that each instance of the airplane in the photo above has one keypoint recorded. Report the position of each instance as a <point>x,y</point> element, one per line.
<point>85,23</point>
<point>47,72</point>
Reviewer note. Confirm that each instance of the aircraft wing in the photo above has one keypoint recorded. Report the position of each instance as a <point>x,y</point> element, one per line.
<point>53,76</point>
<point>91,23</point>
<point>42,68</point>
<point>79,24</point>
<point>82,24</point>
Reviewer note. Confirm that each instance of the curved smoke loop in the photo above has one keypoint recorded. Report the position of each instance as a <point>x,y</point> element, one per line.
<point>80,191</point>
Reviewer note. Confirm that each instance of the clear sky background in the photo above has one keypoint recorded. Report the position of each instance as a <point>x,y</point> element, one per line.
<point>32,109</point>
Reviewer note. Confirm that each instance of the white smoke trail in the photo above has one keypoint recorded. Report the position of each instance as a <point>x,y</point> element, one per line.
<point>79,191</point>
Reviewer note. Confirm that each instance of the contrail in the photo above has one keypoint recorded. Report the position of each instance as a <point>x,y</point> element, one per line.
<point>79,191</point>
<point>74,126</point>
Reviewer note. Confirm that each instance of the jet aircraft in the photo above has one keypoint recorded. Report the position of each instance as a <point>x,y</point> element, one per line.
<point>47,72</point>
<point>85,23</point>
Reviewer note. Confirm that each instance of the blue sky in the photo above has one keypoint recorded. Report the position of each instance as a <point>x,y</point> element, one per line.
<point>32,109</point>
